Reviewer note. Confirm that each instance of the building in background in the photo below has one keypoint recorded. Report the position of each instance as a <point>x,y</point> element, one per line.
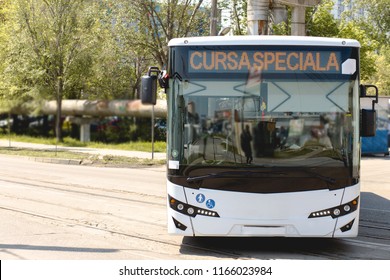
<point>342,6</point>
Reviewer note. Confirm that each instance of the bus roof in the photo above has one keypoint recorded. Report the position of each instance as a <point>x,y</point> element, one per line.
<point>263,40</point>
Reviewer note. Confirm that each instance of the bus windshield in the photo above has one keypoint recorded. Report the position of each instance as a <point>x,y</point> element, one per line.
<point>251,119</point>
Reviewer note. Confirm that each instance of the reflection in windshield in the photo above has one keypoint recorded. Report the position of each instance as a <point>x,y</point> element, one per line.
<point>244,130</point>
<point>228,126</point>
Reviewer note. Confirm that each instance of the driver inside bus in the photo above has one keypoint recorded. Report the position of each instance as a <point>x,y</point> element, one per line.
<point>319,137</point>
<point>192,124</point>
<point>192,115</point>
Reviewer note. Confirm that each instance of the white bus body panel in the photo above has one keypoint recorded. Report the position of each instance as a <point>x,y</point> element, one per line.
<point>263,40</point>
<point>253,214</point>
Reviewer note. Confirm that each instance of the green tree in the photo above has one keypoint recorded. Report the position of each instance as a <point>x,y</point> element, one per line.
<point>149,25</point>
<point>121,63</point>
<point>238,15</point>
<point>320,21</point>
<point>382,77</point>
<point>367,50</point>
<point>377,14</point>
<point>376,24</point>
<point>134,35</point>
<point>13,82</point>
<point>49,49</point>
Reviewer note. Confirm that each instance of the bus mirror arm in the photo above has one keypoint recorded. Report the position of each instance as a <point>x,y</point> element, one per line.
<point>363,94</point>
<point>153,69</point>
<point>368,117</point>
<point>162,76</point>
<point>163,79</point>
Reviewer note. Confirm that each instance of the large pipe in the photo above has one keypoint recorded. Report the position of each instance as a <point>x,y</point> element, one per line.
<point>100,108</point>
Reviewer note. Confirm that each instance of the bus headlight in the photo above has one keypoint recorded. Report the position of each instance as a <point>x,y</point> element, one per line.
<point>337,211</point>
<point>188,209</point>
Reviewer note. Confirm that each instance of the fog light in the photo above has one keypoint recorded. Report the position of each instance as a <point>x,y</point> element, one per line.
<point>347,226</point>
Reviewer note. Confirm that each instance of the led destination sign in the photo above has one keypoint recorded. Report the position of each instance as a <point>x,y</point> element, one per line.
<point>214,61</point>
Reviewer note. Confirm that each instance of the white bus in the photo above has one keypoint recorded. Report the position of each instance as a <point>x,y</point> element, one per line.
<point>263,135</point>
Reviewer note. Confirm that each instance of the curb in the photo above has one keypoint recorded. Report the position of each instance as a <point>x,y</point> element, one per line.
<point>56,160</point>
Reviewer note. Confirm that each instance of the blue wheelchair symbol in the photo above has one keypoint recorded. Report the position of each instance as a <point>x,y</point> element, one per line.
<point>200,198</point>
<point>210,203</point>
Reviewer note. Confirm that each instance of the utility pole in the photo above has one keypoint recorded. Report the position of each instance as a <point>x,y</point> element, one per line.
<point>213,18</point>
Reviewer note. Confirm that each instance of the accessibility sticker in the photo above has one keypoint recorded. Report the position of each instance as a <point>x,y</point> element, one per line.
<point>210,203</point>
<point>200,198</point>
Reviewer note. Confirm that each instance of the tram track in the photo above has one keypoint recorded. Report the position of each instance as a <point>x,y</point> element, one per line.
<point>86,190</point>
<point>382,231</point>
<point>221,251</point>
<point>95,216</point>
<point>180,246</point>
<point>91,213</point>
<point>106,221</point>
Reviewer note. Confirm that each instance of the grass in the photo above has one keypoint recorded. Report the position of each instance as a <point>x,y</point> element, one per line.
<point>84,158</point>
<point>159,146</point>
<point>42,153</point>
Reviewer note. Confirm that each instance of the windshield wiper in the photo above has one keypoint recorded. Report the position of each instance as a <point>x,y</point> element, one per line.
<point>322,177</point>
<point>232,174</point>
<point>251,174</point>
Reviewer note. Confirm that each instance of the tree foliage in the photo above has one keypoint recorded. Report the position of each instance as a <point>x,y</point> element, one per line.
<point>377,18</point>
<point>238,15</point>
<point>48,50</point>
<point>320,21</point>
<point>368,47</point>
<point>147,26</point>
<point>55,49</point>
<point>376,25</point>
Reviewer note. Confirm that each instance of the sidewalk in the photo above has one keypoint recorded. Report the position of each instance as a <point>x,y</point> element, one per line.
<point>103,152</point>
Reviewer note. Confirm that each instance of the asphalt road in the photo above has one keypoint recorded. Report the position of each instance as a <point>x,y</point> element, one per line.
<point>55,211</point>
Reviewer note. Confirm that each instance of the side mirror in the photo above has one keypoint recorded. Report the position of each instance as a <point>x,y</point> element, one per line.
<point>368,117</point>
<point>368,123</point>
<point>149,90</point>
<point>149,87</point>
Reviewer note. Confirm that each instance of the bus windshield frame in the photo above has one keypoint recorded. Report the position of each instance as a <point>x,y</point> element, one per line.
<point>263,119</point>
